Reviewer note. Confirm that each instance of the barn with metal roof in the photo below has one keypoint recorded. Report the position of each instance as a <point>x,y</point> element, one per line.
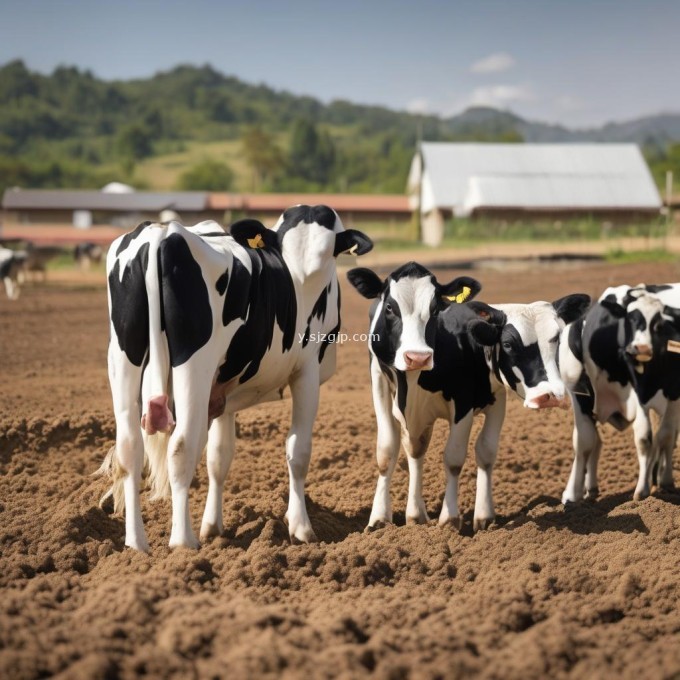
<point>514,181</point>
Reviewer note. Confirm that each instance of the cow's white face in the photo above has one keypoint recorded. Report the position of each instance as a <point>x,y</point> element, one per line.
<point>643,316</point>
<point>408,302</point>
<point>525,357</point>
<point>403,317</point>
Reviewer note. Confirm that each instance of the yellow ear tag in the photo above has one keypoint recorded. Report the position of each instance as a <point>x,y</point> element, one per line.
<point>256,241</point>
<point>461,297</point>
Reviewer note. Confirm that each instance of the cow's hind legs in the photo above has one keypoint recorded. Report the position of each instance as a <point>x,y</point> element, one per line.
<point>665,444</point>
<point>125,380</point>
<point>455,452</point>
<point>587,443</point>
<point>186,445</point>
<point>304,387</point>
<point>220,453</point>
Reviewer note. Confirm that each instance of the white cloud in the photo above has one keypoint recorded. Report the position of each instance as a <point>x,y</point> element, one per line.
<point>419,105</point>
<point>567,102</point>
<point>494,63</point>
<point>501,95</point>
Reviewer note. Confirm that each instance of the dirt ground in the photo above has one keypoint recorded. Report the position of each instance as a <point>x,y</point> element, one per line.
<point>594,592</point>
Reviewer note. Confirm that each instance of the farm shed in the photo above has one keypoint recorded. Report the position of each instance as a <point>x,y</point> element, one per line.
<point>354,209</point>
<point>121,209</point>
<point>528,181</point>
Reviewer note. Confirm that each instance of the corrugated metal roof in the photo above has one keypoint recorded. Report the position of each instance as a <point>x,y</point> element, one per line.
<point>467,176</point>
<point>339,202</point>
<point>142,201</point>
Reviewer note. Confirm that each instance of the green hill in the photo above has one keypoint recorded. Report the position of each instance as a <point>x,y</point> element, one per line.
<point>195,128</point>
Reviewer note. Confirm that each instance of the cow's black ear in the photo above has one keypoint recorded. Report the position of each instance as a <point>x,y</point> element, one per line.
<point>460,290</point>
<point>674,314</point>
<point>367,282</point>
<point>483,332</point>
<point>486,330</point>
<point>253,234</point>
<point>352,242</point>
<point>613,307</point>
<point>572,307</point>
<point>488,313</point>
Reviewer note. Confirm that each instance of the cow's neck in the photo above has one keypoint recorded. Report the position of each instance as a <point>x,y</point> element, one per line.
<point>309,287</point>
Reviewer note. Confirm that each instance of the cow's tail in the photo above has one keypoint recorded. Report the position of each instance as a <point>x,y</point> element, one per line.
<point>111,468</point>
<point>157,419</point>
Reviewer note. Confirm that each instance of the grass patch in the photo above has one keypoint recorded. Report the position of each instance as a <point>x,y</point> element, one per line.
<point>619,256</point>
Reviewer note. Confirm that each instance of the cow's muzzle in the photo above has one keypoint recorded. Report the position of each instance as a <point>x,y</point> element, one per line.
<point>418,361</point>
<point>641,353</point>
<point>545,400</point>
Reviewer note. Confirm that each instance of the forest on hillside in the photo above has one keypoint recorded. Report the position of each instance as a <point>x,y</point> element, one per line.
<point>195,128</point>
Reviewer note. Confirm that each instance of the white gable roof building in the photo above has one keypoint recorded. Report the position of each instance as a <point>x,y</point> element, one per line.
<point>467,179</point>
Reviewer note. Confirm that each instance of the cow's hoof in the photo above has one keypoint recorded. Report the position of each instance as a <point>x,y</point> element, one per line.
<point>668,488</point>
<point>453,522</point>
<point>482,524</point>
<point>418,519</point>
<point>302,538</point>
<point>568,504</point>
<point>640,495</point>
<point>209,531</point>
<point>377,524</point>
<point>190,543</point>
<point>141,546</point>
<point>592,494</point>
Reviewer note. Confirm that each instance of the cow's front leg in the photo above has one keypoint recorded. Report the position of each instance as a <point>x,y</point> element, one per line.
<point>454,457</point>
<point>587,444</point>
<point>304,388</point>
<point>642,430</point>
<point>486,449</point>
<point>415,447</point>
<point>220,453</point>
<point>387,447</point>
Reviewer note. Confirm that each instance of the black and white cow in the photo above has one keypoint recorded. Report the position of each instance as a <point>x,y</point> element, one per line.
<point>86,253</point>
<point>226,320</point>
<point>621,362</point>
<point>12,264</point>
<point>431,359</point>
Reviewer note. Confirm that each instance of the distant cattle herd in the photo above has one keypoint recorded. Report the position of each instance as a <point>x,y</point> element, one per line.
<point>205,322</point>
<point>21,259</point>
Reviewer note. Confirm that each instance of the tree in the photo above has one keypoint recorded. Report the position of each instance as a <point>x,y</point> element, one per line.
<point>262,154</point>
<point>312,155</point>
<point>207,175</point>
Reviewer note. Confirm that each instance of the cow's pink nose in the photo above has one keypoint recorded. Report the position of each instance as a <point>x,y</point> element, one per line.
<point>641,349</point>
<point>546,400</point>
<point>416,360</point>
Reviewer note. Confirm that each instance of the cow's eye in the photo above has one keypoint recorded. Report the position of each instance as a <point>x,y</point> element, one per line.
<point>507,346</point>
<point>388,307</point>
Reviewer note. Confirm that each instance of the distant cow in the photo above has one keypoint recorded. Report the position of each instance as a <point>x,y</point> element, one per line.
<point>37,257</point>
<point>431,359</point>
<point>12,263</point>
<point>86,253</point>
<point>226,321</point>
<point>621,362</point>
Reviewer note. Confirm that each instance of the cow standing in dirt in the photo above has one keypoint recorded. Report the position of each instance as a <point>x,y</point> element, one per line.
<point>431,359</point>
<point>11,271</point>
<point>621,362</point>
<point>218,317</point>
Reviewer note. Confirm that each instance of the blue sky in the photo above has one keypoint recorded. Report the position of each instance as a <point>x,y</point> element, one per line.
<point>577,62</point>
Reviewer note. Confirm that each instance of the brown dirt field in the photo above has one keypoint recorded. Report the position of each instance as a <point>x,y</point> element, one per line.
<point>590,593</point>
